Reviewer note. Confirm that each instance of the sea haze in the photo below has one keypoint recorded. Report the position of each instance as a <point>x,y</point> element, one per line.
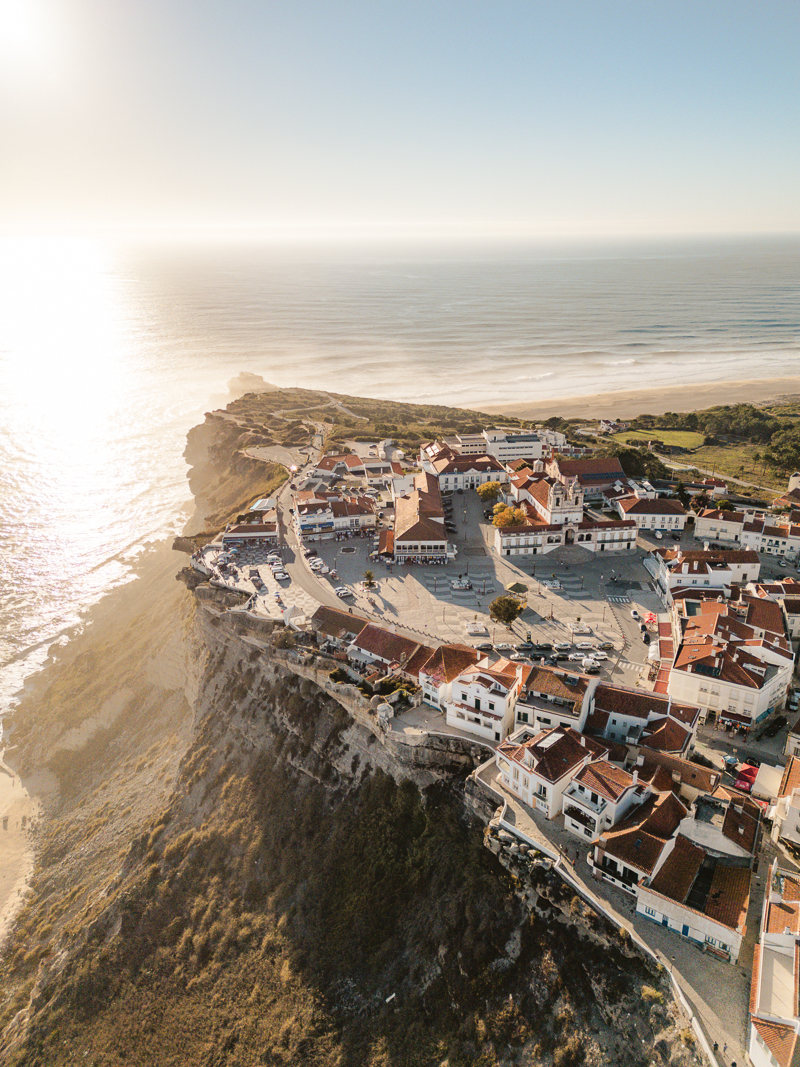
<point>109,354</point>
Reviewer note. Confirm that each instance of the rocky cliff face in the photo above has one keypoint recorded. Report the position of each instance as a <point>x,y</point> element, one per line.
<point>222,477</point>
<point>240,870</point>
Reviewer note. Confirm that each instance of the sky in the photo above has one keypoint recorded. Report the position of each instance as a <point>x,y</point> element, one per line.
<point>475,117</point>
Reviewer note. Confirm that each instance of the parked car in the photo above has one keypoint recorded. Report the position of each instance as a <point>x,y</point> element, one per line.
<point>595,669</point>
<point>606,646</point>
<point>730,763</point>
<point>281,576</point>
<point>584,645</point>
<point>599,656</point>
<point>485,647</point>
<point>342,591</point>
<point>646,638</point>
<point>634,613</point>
<point>505,647</point>
<point>676,537</point>
<point>563,646</point>
<point>576,657</point>
<point>519,657</point>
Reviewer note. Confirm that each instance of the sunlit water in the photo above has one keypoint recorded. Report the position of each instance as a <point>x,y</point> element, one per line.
<point>109,355</point>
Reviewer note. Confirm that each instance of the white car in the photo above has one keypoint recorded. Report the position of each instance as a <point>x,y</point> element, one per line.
<point>562,646</point>
<point>342,591</point>
<point>281,576</point>
<point>599,656</point>
<point>584,645</point>
<point>634,613</point>
<point>576,657</point>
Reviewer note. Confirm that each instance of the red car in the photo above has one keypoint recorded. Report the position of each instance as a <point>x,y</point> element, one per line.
<point>747,776</point>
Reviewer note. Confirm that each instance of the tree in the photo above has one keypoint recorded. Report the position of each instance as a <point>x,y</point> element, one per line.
<point>725,505</point>
<point>369,579</point>
<point>505,609</point>
<point>509,517</point>
<point>489,491</point>
<point>682,495</point>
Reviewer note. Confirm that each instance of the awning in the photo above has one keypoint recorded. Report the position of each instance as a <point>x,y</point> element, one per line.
<point>731,716</point>
<point>516,587</point>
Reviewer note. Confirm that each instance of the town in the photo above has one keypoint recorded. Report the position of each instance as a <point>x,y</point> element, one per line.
<point>626,659</point>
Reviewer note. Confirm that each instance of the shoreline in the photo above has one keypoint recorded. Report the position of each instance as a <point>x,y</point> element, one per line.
<point>22,804</point>
<point>627,404</point>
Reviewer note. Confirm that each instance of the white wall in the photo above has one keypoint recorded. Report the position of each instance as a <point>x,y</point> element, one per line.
<point>687,922</point>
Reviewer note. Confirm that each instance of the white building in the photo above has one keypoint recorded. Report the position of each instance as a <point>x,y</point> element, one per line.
<point>699,897</point>
<point>776,536</point>
<point>730,659</point>
<point>599,796</point>
<point>507,445</point>
<point>482,699</point>
<point>419,531</point>
<point>774,1017</point>
<point>651,516</point>
<point>546,499</point>
<point>633,850</point>
<point>786,816</point>
<point>553,696</point>
<point>715,569</point>
<point>714,525</point>
<point>437,675</point>
<point>639,717</point>
<point>538,767</point>
<point>539,539</point>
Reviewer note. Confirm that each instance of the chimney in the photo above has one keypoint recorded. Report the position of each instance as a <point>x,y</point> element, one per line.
<point>635,776</point>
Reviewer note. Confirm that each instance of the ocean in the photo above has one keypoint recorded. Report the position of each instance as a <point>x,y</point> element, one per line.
<point>109,353</point>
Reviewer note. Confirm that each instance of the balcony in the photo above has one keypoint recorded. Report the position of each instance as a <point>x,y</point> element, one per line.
<point>576,797</point>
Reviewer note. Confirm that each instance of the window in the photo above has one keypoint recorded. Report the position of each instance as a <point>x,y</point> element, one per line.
<point>491,706</point>
<point>651,913</point>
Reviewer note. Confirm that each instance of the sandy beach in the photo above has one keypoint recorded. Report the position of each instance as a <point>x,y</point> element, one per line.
<point>627,404</point>
<point>20,807</point>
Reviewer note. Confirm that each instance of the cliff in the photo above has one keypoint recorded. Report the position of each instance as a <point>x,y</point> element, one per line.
<point>223,478</point>
<point>241,866</point>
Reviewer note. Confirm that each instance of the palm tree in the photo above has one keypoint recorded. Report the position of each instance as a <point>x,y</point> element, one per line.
<point>369,579</point>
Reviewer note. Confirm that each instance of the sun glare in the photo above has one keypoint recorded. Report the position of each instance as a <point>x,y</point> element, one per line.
<point>61,331</point>
<point>23,38</point>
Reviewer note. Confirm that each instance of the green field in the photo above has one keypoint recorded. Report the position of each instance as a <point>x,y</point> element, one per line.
<point>681,438</point>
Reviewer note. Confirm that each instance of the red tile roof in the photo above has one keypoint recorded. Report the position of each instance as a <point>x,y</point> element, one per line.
<point>448,661</point>
<point>639,840</point>
<point>729,896</point>
<point>553,753</point>
<point>781,1040</point>
<point>679,871</point>
<point>604,778</point>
